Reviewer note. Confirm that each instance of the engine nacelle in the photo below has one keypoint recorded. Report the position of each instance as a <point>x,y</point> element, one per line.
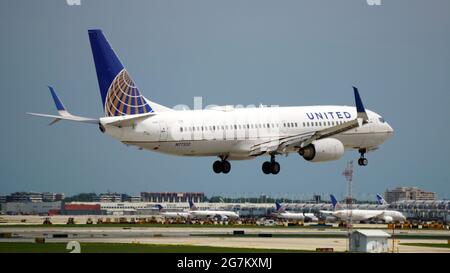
<point>326,149</point>
<point>388,219</point>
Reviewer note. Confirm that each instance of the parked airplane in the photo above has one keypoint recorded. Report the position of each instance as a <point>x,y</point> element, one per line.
<point>211,214</point>
<point>172,214</point>
<point>316,133</point>
<point>281,213</point>
<point>387,216</point>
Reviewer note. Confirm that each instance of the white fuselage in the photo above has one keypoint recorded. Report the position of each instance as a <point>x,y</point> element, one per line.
<point>362,215</point>
<point>170,214</point>
<point>232,133</point>
<point>213,214</point>
<point>291,216</point>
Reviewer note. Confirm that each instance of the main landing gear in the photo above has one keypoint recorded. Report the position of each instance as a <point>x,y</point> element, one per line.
<point>362,161</point>
<point>271,167</point>
<point>221,166</point>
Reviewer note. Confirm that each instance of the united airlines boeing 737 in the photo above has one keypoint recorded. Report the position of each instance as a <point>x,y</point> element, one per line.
<point>316,133</point>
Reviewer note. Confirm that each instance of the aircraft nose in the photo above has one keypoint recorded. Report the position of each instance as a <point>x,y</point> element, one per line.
<point>389,129</point>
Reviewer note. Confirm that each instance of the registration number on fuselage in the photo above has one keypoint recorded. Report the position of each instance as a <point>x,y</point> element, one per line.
<point>183,144</point>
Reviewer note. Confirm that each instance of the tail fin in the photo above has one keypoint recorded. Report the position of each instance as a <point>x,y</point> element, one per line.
<point>192,205</point>
<point>334,202</point>
<point>279,208</point>
<point>380,200</point>
<point>160,208</point>
<point>120,96</point>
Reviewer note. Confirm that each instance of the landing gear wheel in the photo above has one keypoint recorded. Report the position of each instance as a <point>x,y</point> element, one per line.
<point>275,167</point>
<point>226,166</point>
<point>217,166</point>
<point>363,161</point>
<point>267,167</point>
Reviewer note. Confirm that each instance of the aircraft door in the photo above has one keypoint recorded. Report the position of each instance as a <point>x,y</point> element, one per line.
<point>163,131</point>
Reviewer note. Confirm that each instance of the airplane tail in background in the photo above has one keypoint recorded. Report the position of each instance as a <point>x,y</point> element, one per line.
<point>278,207</point>
<point>380,200</point>
<point>334,202</point>
<point>192,205</point>
<point>160,208</point>
<point>119,94</point>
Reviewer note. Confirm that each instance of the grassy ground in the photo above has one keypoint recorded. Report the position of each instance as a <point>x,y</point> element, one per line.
<point>148,225</point>
<point>128,248</point>
<point>427,245</point>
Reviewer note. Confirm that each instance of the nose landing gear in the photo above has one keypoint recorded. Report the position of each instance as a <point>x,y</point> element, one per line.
<point>362,161</point>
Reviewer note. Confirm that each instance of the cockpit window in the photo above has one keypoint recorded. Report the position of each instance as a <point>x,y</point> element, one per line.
<point>381,120</point>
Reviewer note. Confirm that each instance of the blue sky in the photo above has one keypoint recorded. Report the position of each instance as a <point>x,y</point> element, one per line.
<point>229,52</point>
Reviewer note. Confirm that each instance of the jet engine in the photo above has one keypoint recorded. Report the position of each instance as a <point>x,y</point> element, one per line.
<point>388,219</point>
<point>323,150</point>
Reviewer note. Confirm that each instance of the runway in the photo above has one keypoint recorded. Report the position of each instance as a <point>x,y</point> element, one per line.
<point>282,238</point>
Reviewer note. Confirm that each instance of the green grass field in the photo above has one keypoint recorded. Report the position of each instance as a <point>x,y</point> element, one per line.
<point>427,245</point>
<point>128,248</point>
<point>146,225</point>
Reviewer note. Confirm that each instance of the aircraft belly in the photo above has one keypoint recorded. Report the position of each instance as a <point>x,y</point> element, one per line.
<point>234,149</point>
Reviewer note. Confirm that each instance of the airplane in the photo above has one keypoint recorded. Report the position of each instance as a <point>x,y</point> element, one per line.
<point>390,215</point>
<point>172,214</point>
<point>387,216</point>
<point>281,213</point>
<point>211,214</point>
<point>316,133</point>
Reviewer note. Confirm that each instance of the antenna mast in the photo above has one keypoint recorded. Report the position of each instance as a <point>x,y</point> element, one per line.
<point>348,173</point>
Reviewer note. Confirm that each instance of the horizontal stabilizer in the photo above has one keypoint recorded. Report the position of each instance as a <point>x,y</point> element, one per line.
<point>125,121</point>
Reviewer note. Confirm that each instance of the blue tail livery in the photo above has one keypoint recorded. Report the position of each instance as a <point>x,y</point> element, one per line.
<point>120,96</point>
<point>278,207</point>
<point>333,200</point>
<point>380,200</point>
<point>192,205</point>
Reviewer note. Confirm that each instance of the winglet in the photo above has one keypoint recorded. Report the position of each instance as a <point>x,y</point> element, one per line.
<point>361,111</point>
<point>58,103</point>
<point>63,113</point>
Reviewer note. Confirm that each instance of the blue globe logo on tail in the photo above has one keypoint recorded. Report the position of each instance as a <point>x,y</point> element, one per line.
<point>123,97</point>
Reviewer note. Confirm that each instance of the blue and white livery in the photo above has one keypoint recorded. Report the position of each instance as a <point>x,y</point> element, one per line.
<point>316,133</point>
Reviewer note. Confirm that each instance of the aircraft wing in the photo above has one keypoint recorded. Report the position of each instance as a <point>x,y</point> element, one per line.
<point>280,145</point>
<point>372,215</point>
<point>326,212</point>
<point>66,117</point>
<point>63,113</point>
